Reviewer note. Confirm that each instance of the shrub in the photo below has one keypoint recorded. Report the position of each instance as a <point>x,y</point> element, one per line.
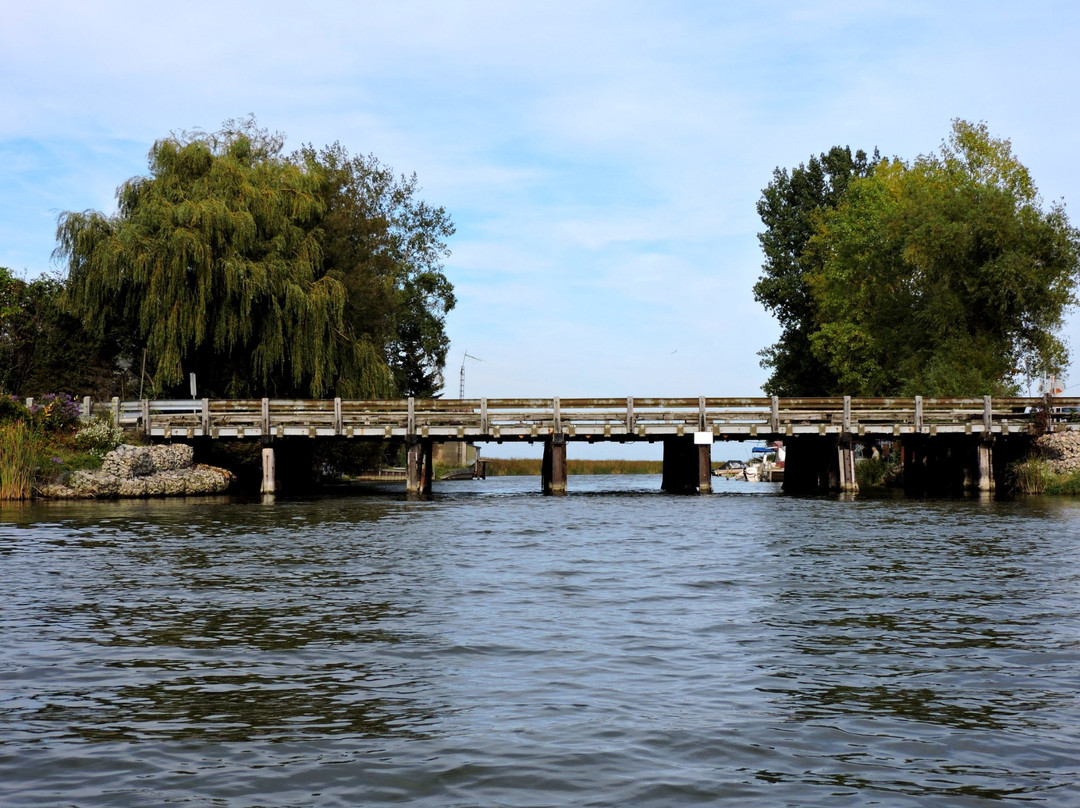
<point>99,438</point>
<point>55,412</point>
<point>11,409</point>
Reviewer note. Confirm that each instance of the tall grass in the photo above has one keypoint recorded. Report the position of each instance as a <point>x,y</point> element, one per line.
<point>1031,476</point>
<point>16,460</point>
<point>520,467</point>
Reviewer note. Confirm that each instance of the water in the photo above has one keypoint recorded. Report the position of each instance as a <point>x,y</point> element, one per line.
<point>493,647</point>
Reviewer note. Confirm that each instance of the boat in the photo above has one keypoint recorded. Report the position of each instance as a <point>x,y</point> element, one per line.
<point>767,470</point>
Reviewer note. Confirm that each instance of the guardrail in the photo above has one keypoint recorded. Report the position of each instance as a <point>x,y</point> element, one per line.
<point>588,418</point>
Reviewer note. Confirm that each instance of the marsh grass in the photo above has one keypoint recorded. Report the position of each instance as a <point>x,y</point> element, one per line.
<point>519,467</point>
<point>1032,476</point>
<point>17,460</point>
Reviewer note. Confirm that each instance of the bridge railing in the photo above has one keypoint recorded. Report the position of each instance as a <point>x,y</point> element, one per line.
<point>605,418</point>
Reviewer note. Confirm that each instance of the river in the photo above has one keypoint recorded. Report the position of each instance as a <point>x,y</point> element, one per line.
<point>494,647</point>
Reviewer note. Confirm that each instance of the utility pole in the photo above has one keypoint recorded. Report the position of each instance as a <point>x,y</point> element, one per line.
<point>463,457</point>
<point>461,388</point>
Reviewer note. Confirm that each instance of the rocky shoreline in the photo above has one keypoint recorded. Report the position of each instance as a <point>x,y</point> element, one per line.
<point>1061,450</point>
<point>143,471</point>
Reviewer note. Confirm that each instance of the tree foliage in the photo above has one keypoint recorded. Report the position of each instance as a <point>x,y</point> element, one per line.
<point>791,207</point>
<point>43,348</point>
<point>940,277</point>
<point>264,274</point>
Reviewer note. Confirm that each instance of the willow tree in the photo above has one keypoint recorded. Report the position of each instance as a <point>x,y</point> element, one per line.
<point>945,276</point>
<point>217,263</point>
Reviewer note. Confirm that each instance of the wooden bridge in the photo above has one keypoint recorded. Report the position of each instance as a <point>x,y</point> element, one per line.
<point>821,433</point>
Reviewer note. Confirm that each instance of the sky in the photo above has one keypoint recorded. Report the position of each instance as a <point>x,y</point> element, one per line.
<point>601,161</point>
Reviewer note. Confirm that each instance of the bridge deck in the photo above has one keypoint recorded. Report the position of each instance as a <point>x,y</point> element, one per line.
<point>591,419</point>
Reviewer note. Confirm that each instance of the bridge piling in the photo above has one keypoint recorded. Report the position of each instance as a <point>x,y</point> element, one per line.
<point>685,463</point>
<point>269,470</point>
<point>414,458</point>
<point>553,467</point>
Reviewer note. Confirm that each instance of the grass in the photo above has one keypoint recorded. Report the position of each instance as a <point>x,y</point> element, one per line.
<point>1034,476</point>
<point>17,460</point>
<point>519,467</point>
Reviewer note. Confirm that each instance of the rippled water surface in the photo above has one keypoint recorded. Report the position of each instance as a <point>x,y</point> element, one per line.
<point>493,647</point>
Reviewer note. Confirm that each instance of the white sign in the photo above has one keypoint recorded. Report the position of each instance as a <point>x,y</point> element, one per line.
<point>703,438</point>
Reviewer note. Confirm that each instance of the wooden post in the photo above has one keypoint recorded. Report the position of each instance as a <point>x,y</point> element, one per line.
<point>846,456</point>
<point>553,469</point>
<point>413,479</point>
<point>986,465</point>
<point>269,470</point>
<point>87,409</point>
<point>704,468</point>
<point>115,410</point>
<point>146,416</point>
<point>429,465</point>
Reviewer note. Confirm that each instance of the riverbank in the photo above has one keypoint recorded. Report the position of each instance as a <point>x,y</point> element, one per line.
<point>142,471</point>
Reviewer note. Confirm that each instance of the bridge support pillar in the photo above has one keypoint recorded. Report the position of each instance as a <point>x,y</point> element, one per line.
<point>684,464</point>
<point>269,470</point>
<point>428,452</point>
<point>812,465</point>
<point>420,470</point>
<point>553,468</point>
<point>704,467</point>
<point>846,456</point>
<point>985,451</point>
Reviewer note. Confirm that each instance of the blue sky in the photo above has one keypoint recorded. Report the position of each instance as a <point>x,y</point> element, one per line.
<point>601,160</point>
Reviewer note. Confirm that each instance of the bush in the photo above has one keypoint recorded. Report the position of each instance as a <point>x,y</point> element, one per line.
<point>54,412</point>
<point>11,409</point>
<point>99,438</point>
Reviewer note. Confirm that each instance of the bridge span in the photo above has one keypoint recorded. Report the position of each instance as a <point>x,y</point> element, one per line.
<point>944,440</point>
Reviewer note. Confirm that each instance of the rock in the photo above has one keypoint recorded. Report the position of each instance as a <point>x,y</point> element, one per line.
<point>143,471</point>
<point>1061,451</point>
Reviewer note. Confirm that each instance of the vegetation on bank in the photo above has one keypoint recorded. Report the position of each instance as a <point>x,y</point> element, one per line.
<point>1035,476</point>
<point>47,441</point>
<point>522,467</point>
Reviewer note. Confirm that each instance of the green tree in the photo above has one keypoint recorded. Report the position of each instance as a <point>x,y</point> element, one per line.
<point>790,208</point>
<point>264,274</point>
<point>387,246</point>
<point>43,348</point>
<point>942,277</point>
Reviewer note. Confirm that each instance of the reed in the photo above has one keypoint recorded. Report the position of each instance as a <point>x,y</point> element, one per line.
<point>521,467</point>
<point>1031,476</point>
<point>16,461</point>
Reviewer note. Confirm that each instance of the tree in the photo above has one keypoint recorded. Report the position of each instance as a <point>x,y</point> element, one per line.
<point>387,246</point>
<point>790,208</point>
<point>43,349</point>
<point>943,277</point>
<point>262,273</point>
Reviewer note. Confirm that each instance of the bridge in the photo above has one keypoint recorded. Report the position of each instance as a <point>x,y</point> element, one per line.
<point>947,442</point>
